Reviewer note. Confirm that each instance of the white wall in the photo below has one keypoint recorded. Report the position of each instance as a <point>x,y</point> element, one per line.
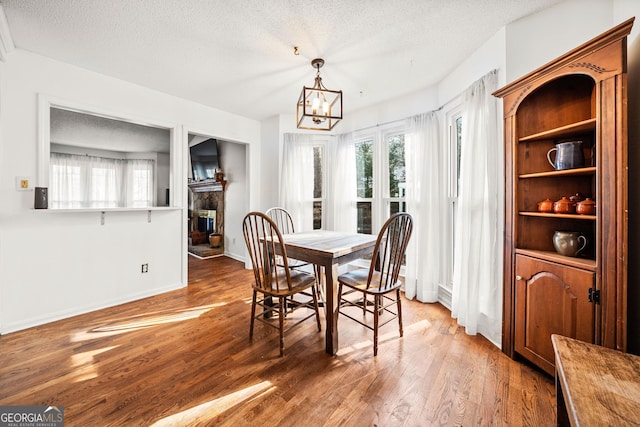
<point>271,157</point>
<point>57,264</point>
<point>236,204</point>
<point>490,56</point>
<point>539,38</point>
<point>395,109</point>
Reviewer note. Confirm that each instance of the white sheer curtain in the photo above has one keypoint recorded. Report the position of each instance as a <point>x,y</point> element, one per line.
<point>430,246</point>
<point>477,287</point>
<point>77,181</point>
<point>341,212</point>
<point>138,183</point>
<point>296,183</point>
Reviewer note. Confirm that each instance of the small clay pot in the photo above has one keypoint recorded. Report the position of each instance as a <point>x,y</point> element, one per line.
<point>586,207</point>
<point>545,206</point>
<point>564,206</point>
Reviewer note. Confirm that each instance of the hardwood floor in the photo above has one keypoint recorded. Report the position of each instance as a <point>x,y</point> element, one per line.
<point>185,358</point>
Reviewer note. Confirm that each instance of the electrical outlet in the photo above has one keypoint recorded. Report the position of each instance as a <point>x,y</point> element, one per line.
<point>145,268</point>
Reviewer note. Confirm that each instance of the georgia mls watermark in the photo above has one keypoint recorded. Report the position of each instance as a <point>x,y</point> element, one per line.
<point>31,416</point>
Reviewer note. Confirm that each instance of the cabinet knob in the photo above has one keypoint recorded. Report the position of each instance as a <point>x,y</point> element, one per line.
<point>518,277</point>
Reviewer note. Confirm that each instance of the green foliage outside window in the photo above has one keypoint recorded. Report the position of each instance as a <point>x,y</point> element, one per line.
<point>364,166</point>
<point>397,171</point>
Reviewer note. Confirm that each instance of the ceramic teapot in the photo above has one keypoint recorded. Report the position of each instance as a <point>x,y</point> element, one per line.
<point>569,155</point>
<point>569,243</point>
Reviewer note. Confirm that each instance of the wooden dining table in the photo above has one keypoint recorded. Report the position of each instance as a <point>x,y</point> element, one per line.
<point>329,249</point>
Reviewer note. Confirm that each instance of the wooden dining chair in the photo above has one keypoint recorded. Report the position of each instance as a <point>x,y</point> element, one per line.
<point>284,221</point>
<point>275,286</point>
<point>380,281</point>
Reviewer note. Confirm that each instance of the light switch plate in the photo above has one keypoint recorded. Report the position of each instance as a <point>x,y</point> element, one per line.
<point>23,183</point>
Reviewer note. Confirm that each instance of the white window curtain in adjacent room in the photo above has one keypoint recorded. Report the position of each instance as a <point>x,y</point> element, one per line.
<point>430,246</point>
<point>477,277</point>
<point>341,213</point>
<point>296,183</point>
<point>77,181</point>
<point>138,183</point>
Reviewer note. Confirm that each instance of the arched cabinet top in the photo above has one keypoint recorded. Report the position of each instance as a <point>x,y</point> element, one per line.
<point>601,58</point>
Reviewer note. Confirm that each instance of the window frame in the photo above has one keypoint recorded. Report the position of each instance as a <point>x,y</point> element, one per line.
<point>381,199</point>
<point>453,114</point>
<point>176,153</point>
<point>322,144</point>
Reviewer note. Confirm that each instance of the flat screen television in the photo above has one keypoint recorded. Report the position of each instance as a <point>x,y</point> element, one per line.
<point>204,160</point>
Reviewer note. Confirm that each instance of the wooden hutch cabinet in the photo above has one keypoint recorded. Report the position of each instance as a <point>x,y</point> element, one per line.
<point>580,96</point>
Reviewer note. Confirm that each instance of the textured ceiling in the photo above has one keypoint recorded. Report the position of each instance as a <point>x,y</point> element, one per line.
<point>237,55</point>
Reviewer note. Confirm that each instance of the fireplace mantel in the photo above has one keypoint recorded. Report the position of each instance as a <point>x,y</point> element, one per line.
<point>206,186</point>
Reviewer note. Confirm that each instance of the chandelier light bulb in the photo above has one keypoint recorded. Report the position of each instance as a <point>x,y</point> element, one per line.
<point>315,105</point>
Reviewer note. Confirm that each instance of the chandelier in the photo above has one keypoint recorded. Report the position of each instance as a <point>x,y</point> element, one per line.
<point>318,108</point>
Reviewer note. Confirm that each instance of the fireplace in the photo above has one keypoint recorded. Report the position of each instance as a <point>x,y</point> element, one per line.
<point>207,221</point>
<point>206,212</point>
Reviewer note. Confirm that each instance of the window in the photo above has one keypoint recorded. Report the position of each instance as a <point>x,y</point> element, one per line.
<point>318,185</point>
<point>455,144</point>
<point>364,180</point>
<point>96,182</point>
<point>140,181</point>
<point>381,177</point>
<point>397,174</point>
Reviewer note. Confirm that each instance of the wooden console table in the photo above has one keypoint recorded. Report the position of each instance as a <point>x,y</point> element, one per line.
<point>595,386</point>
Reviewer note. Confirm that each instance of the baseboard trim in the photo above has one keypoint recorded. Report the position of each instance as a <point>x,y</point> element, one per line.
<point>9,327</point>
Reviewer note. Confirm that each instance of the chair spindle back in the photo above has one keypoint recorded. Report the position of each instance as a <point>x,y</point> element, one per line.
<point>263,239</point>
<point>389,250</point>
<point>283,219</point>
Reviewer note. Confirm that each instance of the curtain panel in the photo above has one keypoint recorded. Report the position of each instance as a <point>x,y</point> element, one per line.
<point>426,162</point>
<point>296,181</point>
<point>477,277</point>
<point>77,181</point>
<point>341,212</point>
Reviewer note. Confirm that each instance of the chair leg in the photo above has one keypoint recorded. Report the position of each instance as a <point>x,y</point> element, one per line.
<point>364,304</point>
<point>399,310</point>
<point>376,318</point>
<point>281,321</point>
<point>253,313</point>
<point>315,305</point>
<point>318,272</point>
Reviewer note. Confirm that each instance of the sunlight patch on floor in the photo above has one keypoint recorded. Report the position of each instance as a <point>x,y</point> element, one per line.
<point>83,364</point>
<point>209,410</point>
<point>368,343</point>
<point>144,321</point>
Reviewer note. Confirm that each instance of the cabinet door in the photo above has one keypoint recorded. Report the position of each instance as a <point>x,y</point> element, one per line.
<point>550,299</point>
